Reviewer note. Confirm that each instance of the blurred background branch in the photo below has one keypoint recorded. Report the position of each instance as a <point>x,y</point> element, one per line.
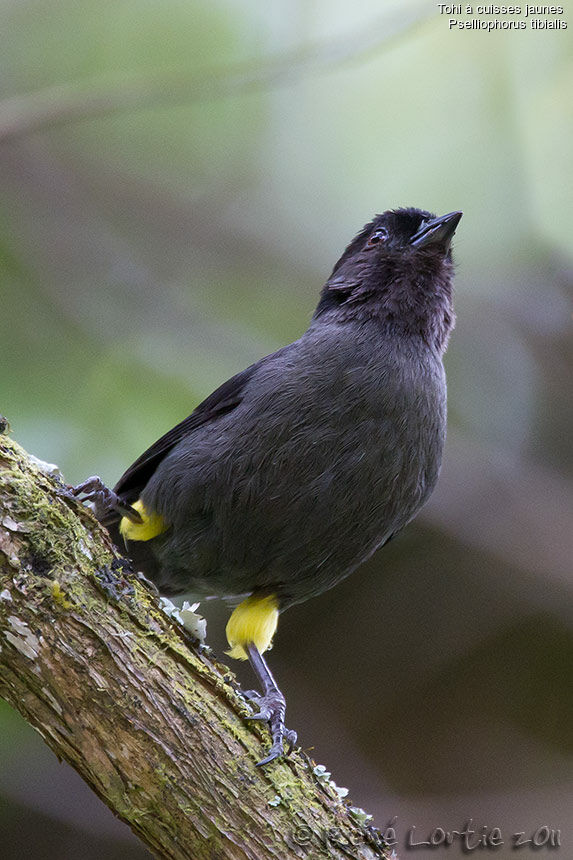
<point>66,103</point>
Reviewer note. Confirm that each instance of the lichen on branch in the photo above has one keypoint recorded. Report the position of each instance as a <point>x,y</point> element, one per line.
<point>116,688</point>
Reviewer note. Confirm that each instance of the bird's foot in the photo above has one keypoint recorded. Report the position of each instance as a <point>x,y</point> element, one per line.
<point>272,709</point>
<point>148,583</point>
<point>104,500</point>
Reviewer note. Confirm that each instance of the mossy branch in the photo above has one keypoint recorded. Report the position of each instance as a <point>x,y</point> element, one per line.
<point>155,726</point>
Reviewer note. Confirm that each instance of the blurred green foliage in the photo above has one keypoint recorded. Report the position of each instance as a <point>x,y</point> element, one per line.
<point>177,180</point>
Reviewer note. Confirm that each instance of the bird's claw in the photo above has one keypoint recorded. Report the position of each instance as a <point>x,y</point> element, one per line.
<point>290,737</point>
<point>104,500</point>
<point>252,696</point>
<point>272,709</point>
<point>276,751</point>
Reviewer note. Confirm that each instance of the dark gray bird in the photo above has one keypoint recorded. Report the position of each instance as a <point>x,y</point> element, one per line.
<point>295,471</point>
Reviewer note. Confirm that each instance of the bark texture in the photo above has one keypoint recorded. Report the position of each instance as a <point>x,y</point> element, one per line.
<point>154,725</point>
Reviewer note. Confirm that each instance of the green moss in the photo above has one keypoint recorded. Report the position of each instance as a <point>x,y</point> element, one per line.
<point>58,595</point>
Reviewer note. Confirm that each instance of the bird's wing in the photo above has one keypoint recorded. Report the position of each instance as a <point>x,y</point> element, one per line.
<point>222,400</point>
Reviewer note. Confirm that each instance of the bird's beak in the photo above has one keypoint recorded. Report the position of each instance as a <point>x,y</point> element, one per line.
<point>437,232</point>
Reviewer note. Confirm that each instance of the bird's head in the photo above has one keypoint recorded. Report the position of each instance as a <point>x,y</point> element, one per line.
<point>397,269</point>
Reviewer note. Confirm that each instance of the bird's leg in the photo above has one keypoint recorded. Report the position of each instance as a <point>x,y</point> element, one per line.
<point>105,500</point>
<point>271,705</point>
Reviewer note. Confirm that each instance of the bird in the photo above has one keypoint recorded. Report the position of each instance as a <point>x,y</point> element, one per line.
<point>296,470</point>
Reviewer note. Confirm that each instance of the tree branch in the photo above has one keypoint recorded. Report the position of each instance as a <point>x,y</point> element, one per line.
<point>156,727</point>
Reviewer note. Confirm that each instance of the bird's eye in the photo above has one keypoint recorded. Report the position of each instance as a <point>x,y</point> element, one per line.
<point>377,237</point>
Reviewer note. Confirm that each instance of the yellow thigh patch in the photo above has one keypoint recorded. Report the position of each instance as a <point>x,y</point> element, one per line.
<point>151,526</point>
<point>254,620</point>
